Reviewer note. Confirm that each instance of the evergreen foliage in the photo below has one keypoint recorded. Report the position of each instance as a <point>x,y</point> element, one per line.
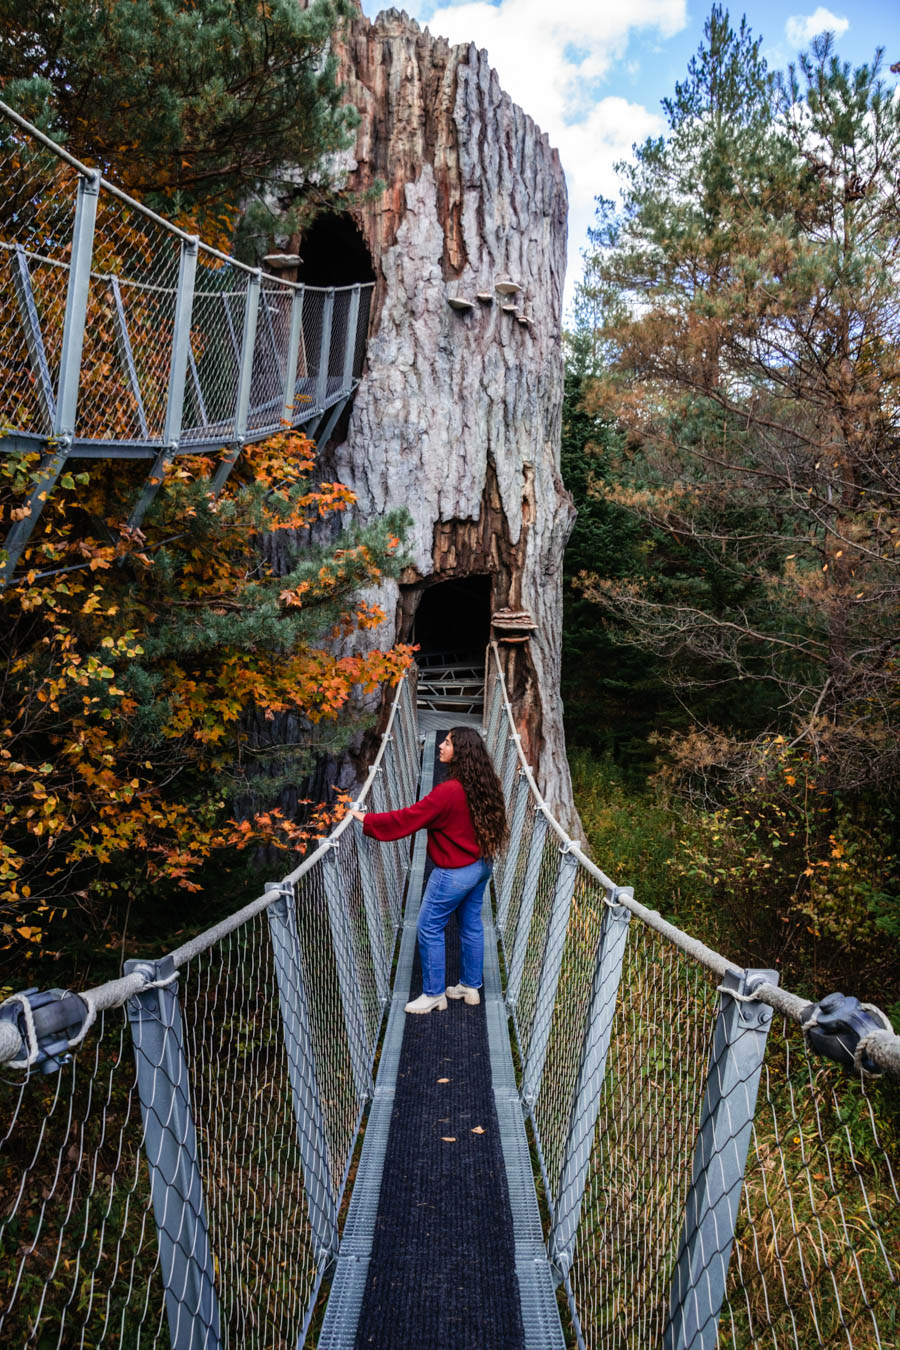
<point>740,321</point>
<point>195,109</point>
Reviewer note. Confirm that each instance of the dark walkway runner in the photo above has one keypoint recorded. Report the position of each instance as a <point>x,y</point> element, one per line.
<point>442,1269</point>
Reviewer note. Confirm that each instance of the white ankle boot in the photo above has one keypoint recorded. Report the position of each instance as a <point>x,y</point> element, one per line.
<point>425,1003</point>
<point>464,991</point>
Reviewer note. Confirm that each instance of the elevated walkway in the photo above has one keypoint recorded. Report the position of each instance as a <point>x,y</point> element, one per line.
<point>442,1246</point>
<point>179,1144</point>
<point>450,692</point>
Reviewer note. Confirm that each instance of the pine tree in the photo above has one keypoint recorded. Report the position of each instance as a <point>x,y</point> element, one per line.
<point>195,109</point>
<point>750,334</point>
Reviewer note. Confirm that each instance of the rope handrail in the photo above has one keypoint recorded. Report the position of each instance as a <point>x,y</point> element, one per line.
<point>192,1159</point>
<point>707,1171</point>
<point>882,1047</point>
<point>115,993</point>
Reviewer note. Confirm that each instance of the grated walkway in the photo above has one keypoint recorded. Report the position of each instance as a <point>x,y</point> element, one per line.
<point>442,1247</point>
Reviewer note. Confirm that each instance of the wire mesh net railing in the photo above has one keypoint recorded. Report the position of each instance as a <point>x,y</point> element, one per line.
<point>177,1143</point>
<point>710,1179</point>
<point>120,333</point>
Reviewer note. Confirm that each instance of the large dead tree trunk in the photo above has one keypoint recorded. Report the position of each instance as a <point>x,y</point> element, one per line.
<point>458,415</point>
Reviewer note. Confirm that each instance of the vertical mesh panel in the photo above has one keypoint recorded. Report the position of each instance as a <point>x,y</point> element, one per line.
<point>340,336</point>
<point>519,864</point>
<point>362,330</point>
<point>552,1110</point>
<point>217,326</point>
<point>273,327</point>
<point>37,213</point>
<point>640,1167</point>
<point>817,1254</point>
<point>128,328</point>
<point>352,897</point>
<point>331,1051</point>
<point>76,1228</point>
<point>308,362</point>
<point>247,1141</point>
<point>544,884</point>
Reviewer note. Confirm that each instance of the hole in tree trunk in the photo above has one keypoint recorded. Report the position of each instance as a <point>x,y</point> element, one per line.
<point>334,253</point>
<point>452,622</point>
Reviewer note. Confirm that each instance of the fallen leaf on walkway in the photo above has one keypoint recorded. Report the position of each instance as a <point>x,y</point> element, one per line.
<point>478,1129</point>
<point>443,1080</point>
<point>449,1138</point>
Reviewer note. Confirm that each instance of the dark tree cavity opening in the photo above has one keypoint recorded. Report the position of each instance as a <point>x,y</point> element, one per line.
<point>334,253</point>
<point>452,623</point>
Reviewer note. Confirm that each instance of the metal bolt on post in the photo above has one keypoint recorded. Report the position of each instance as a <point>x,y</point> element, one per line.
<point>170,1143</point>
<point>589,1085</point>
<point>309,1117</point>
<point>566,875</point>
<point>720,1156</point>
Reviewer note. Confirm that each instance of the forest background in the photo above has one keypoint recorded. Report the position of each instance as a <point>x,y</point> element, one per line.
<point>730,438</point>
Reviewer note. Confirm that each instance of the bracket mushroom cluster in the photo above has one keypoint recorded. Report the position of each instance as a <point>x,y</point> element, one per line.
<point>506,289</point>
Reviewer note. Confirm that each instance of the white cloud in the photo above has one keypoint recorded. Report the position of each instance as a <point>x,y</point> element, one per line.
<point>552,60</point>
<point>802,28</point>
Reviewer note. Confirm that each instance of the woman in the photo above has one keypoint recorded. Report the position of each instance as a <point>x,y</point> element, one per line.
<point>465,817</point>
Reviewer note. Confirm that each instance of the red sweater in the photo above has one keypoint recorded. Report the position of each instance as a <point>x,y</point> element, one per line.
<point>444,813</point>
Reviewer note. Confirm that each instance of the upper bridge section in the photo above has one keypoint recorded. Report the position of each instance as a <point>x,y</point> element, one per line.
<point>123,337</point>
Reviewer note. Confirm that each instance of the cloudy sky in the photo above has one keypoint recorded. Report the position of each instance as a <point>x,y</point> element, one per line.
<point>592,72</point>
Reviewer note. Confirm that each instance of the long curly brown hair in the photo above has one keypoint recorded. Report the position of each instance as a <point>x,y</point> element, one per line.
<point>471,764</point>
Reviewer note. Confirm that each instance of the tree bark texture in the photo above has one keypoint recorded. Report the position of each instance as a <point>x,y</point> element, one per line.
<point>458,414</point>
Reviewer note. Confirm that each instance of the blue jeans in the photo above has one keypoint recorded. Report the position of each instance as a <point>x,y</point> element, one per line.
<point>460,889</point>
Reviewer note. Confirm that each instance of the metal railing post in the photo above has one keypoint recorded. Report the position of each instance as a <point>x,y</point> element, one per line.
<point>348,976</point>
<point>374,921</point>
<point>720,1155</point>
<point>566,875</point>
<point>526,911</point>
<point>324,350</point>
<point>178,368</point>
<point>289,412</point>
<point>66,402</point>
<point>589,1086</point>
<point>350,340</point>
<point>170,1143</point>
<point>511,861</point>
<point>245,376</point>
<point>309,1117</point>
<point>76,305</point>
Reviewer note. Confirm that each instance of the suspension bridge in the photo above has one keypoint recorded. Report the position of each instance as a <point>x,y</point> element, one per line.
<point>633,1141</point>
